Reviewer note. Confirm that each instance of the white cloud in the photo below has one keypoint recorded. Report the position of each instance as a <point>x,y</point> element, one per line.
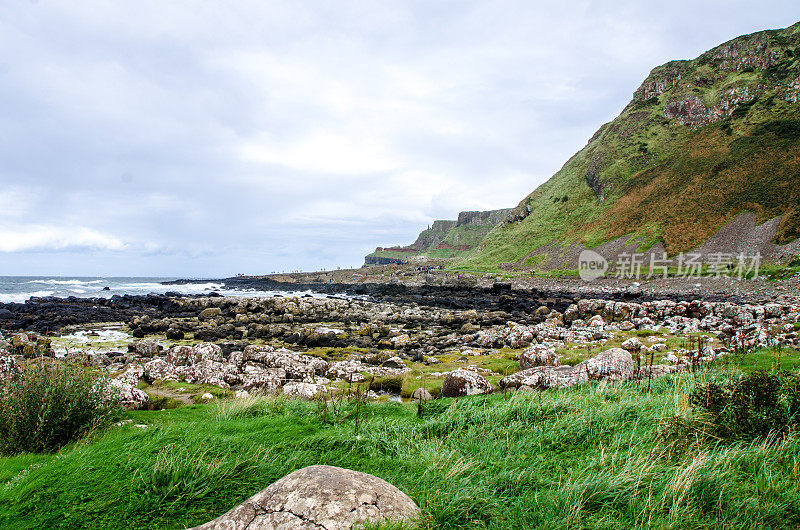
<point>325,152</point>
<point>55,238</point>
<point>218,137</point>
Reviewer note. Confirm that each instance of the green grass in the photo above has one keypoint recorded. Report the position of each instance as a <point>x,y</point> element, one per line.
<point>763,359</point>
<point>589,456</point>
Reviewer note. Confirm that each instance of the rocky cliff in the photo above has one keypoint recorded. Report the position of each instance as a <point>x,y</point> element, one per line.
<point>444,238</point>
<point>701,143</point>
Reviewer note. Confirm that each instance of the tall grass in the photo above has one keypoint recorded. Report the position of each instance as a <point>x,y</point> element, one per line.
<point>48,404</point>
<point>585,457</point>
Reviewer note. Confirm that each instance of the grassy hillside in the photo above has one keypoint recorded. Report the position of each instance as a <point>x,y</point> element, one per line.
<point>701,142</point>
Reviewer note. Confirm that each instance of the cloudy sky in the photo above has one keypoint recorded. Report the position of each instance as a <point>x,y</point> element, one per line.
<point>207,138</point>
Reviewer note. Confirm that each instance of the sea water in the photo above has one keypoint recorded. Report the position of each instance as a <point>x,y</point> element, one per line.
<point>22,288</point>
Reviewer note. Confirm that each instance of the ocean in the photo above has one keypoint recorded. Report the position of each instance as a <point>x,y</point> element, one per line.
<point>21,288</point>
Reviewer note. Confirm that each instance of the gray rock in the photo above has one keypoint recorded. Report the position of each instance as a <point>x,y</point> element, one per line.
<point>395,362</point>
<point>632,344</point>
<point>544,377</point>
<point>127,395</point>
<point>538,355</point>
<point>303,390</point>
<point>656,370</point>
<point>319,497</point>
<point>210,313</point>
<point>611,365</point>
<point>462,382</point>
<point>145,348</point>
<point>422,394</point>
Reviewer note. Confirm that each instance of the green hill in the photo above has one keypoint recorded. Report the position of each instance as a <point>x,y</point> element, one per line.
<point>700,143</point>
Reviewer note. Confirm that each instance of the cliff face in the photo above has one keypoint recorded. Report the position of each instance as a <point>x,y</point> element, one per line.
<point>444,238</point>
<point>700,142</point>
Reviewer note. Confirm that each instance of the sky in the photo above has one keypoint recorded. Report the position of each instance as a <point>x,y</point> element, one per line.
<point>210,138</point>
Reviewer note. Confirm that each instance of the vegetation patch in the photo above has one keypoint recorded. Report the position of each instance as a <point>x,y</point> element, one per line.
<point>47,405</point>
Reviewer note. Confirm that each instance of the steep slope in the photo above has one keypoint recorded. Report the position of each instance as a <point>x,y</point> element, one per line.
<point>444,239</point>
<point>700,143</point>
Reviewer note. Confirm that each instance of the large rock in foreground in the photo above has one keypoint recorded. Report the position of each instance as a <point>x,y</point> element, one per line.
<point>319,497</point>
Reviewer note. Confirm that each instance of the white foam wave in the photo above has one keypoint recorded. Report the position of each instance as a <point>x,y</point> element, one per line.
<point>21,297</point>
<point>67,282</point>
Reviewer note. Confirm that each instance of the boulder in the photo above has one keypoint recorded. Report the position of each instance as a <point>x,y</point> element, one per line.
<point>174,334</point>
<point>180,355</point>
<point>463,382</point>
<point>596,322</point>
<point>632,345</point>
<point>210,313</point>
<point>158,370</point>
<point>206,351</point>
<point>145,348</point>
<point>320,497</point>
<point>394,362</point>
<point>657,370</point>
<point>131,375</point>
<point>401,341</point>
<point>303,390</point>
<point>611,365</point>
<point>422,394</point>
<point>263,380</point>
<point>520,336</point>
<point>127,395</point>
<point>544,377</point>
<point>296,365</point>
<point>210,373</point>
<point>538,355</point>
<point>190,355</point>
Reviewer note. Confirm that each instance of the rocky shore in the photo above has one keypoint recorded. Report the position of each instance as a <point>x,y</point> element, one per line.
<point>406,340</point>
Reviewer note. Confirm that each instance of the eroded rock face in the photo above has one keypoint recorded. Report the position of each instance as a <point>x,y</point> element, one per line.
<point>320,498</point>
<point>464,383</point>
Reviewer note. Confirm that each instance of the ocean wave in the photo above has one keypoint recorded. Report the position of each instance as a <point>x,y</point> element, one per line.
<point>67,282</point>
<point>21,297</point>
